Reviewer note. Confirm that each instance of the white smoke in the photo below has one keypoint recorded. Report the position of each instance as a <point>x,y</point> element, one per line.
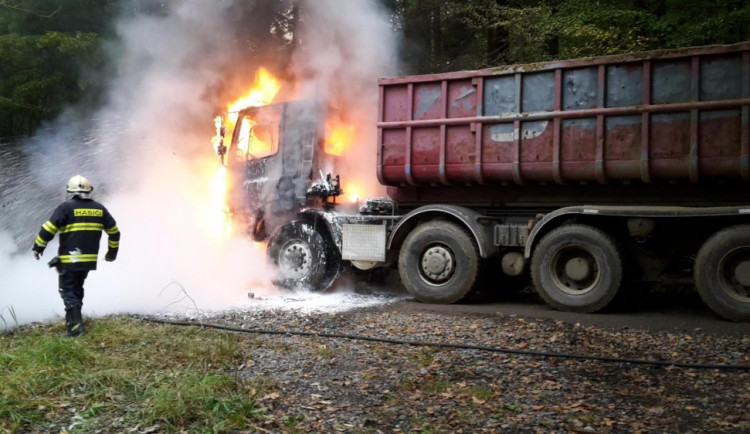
<point>346,47</point>
<point>148,153</point>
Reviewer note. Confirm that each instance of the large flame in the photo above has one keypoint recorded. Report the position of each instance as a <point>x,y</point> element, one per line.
<point>219,221</point>
<point>264,89</point>
<point>339,136</point>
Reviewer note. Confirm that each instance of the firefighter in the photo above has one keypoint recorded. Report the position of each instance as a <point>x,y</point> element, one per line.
<point>80,221</point>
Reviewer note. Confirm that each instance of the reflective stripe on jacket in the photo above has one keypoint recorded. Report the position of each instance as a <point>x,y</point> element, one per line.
<point>80,223</point>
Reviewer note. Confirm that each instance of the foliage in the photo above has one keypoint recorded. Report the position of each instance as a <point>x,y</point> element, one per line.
<point>51,56</point>
<point>127,372</point>
<point>47,50</point>
<point>457,34</point>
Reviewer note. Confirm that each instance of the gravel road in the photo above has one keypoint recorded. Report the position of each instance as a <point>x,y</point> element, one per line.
<point>514,366</point>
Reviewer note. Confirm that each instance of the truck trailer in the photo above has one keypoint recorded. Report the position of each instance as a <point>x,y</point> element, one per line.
<point>586,177</point>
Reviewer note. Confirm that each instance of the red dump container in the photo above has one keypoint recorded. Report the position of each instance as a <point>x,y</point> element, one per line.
<point>675,115</point>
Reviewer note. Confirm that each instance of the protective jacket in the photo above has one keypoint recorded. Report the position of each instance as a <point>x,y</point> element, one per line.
<point>80,223</point>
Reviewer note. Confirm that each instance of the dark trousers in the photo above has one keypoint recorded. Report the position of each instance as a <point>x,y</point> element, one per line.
<point>71,291</point>
<point>71,288</point>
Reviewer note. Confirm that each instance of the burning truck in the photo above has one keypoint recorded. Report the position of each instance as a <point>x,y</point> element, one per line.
<point>583,176</point>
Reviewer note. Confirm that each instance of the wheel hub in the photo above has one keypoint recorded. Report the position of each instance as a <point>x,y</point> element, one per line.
<point>437,264</point>
<point>577,269</point>
<point>742,273</point>
<point>735,268</point>
<point>294,260</point>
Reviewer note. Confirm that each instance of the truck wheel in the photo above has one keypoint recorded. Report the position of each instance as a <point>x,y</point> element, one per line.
<point>438,263</point>
<point>722,273</point>
<point>300,253</point>
<point>577,268</point>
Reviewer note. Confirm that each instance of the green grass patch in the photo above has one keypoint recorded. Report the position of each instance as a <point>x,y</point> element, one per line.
<point>125,373</point>
<point>434,387</point>
<point>481,392</point>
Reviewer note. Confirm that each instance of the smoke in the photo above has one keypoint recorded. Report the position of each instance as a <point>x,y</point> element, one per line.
<point>346,47</point>
<point>147,151</point>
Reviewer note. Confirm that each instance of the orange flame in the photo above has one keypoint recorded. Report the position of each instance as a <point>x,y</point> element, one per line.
<point>338,137</point>
<point>220,224</point>
<point>265,87</point>
<point>353,192</point>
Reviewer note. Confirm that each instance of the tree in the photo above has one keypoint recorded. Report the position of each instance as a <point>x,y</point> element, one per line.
<point>46,49</point>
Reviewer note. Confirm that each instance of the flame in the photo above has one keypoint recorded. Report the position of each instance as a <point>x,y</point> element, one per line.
<point>265,87</point>
<point>338,137</point>
<point>353,192</point>
<point>259,143</point>
<point>218,212</point>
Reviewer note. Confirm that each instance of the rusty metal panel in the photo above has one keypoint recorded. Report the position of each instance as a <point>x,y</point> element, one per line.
<point>679,115</point>
<point>500,95</point>
<point>462,99</point>
<point>428,101</point>
<point>538,92</point>
<point>394,104</point>
<point>580,88</point>
<point>624,85</point>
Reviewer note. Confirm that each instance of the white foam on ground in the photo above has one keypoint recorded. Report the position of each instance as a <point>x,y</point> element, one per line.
<point>302,302</point>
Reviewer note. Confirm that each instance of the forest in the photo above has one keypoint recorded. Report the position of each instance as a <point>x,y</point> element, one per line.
<point>54,53</point>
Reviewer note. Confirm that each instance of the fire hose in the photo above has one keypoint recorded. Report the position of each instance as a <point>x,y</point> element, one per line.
<point>531,353</point>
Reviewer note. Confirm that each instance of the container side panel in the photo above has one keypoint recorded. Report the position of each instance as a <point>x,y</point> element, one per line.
<point>497,158</point>
<point>579,88</point>
<point>460,154</point>
<point>679,115</point>
<point>460,149</point>
<point>428,101</point>
<point>622,147</point>
<point>462,97</point>
<point>670,145</point>
<point>624,85</point>
<point>538,94</point>
<point>720,144</point>
<point>425,154</point>
<point>500,95</point>
<point>394,155</point>
<point>578,149</point>
<point>395,103</point>
<point>721,78</point>
<point>536,151</point>
<point>671,82</point>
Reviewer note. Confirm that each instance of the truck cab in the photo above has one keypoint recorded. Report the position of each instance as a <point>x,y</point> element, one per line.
<point>275,156</point>
<point>275,162</point>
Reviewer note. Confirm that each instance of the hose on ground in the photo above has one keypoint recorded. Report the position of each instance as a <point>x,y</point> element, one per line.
<point>543,354</point>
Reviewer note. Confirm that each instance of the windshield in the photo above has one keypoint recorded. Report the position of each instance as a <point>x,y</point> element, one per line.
<point>258,134</point>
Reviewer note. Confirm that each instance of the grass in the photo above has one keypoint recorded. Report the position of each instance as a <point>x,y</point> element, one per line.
<point>11,316</point>
<point>122,374</point>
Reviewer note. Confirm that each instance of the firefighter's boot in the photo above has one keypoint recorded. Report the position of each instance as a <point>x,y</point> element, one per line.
<point>74,322</point>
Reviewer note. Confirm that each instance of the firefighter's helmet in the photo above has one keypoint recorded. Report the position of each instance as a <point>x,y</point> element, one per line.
<point>79,186</point>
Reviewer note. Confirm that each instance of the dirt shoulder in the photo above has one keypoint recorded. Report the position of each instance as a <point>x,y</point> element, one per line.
<point>326,384</point>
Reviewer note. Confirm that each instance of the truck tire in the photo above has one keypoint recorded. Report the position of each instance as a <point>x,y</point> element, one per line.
<point>439,263</point>
<point>722,273</point>
<point>300,253</point>
<point>577,268</point>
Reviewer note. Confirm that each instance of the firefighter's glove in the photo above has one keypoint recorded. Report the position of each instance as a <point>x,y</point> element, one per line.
<point>37,252</point>
<point>110,256</point>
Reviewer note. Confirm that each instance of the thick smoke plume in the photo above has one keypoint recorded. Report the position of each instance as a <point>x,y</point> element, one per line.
<point>347,46</point>
<point>147,151</point>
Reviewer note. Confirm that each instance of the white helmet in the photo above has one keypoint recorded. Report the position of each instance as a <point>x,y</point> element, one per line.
<point>79,186</point>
